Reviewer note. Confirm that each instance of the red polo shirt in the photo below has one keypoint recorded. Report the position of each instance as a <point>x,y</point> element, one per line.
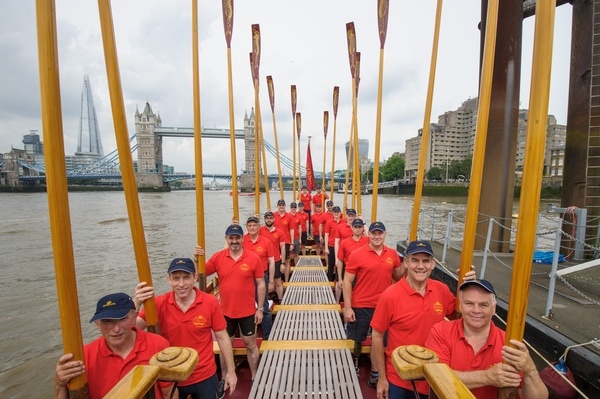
<point>318,199</point>
<point>348,245</point>
<point>373,274</point>
<point>330,228</point>
<point>105,369</point>
<point>343,231</point>
<point>447,339</point>
<point>306,199</point>
<point>316,220</point>
<point>275,237</point>
<point>408,316</point>
<point>262,247</point>
<point>303,216</point>
<point>295,222</point>
<point>236,281</point>
<point>192,328</point>
<point>283,222</point>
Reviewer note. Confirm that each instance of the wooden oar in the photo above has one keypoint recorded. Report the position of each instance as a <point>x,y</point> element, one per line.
<point>356,170</point>
<point>382,22</point>
<point>483,113</point>
<point>228,26</point>
<point>325,126</point>
<point>350,149</point>
<point>414,224</point>
<point>272,101</point>
<point>336,99</point>
<point>200,261</point>
<point>294,99</point>
<point>256,137</point>
<point>351,41</point>
<point>532,173</point>
<point>56,184</point>
<point>298,131</point>
<point>125,159</point>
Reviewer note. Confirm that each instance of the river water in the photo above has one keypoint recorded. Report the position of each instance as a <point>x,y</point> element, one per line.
<point>31,341</point>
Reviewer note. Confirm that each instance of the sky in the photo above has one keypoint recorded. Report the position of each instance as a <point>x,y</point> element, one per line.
<point>303,43</point>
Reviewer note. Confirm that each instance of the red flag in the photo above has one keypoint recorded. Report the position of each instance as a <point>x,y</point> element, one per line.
<point>310,172</point>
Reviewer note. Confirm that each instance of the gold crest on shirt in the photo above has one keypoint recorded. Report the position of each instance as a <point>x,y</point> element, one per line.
<point>199,321</point>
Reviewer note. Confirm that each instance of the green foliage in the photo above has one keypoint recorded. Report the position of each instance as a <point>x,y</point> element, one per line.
<point>393,168</point>
<point>435,174</point>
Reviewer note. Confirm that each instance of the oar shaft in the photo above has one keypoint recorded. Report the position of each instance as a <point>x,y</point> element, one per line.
<point>264,154</point>
<point>256,153</point>
<point>377,140</point>
<point>234,180</point>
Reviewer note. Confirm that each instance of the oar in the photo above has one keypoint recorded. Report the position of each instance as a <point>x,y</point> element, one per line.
<point>228,26</point>
<point>356,169</point>
<point>532,174</point>
<point>272,101</point>
<point>350,149</point>
<point>325,126</point>
<point>336,99</point>
<point>382,22</point>
<point>483,113</point>
<point>351,41</point>
<point>56,183</point>
<point>294,99</point>
<point>298,130</point>
<point>414,224</point>
<point>256,138</point>
<point>200,261</point>
<point>125,159</point>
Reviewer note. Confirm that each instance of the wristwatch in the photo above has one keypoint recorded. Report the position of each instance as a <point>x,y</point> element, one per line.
<point>261,310</point>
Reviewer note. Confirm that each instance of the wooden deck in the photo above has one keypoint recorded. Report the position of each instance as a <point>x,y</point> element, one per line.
<point>307,354</point>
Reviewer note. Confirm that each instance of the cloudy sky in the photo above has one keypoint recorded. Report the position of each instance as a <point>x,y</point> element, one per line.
<point>303,43</point>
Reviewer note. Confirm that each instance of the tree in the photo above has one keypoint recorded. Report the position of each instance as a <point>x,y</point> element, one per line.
<point>435,173</point>
<point>368,176</point>
<point>393,168</point>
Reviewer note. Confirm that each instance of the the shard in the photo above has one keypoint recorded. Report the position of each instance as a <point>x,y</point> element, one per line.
<point>89,143</point>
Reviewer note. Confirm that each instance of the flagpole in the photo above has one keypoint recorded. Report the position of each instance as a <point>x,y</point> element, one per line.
<point>325,126</point>
<point>272,101</point>
<point>57,191</point>
<point>414,224</point>
<point>382,19</point>
<point>228,26</point>
<point>256,140</point>
<point>200,261</point>
<point>336,97</point>
<point>125,159</point>
<point>293,87</point>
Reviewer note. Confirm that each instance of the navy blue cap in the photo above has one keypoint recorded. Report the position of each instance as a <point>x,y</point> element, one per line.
<point>376,226</point>
<point>358,222</point>
<point>318,205</point>
<point>183,265</point>
<point>328,203</point>
<point>269,213</point>
<point>252,219</point>
<point>281,202</point>
<point>234,230</point>
<point>351,211</point>
<point>336,209</point>
<point>300,204</point>
<point>416,247</point>
<point>482,283</point>
<point>293,205</point>
<point>113,306</point>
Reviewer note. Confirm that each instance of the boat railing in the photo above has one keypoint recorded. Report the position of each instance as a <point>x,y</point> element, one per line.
<point>557,240</point>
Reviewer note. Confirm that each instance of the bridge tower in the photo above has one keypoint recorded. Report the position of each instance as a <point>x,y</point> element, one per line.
<point>149,152</point>
<point>250,166</point>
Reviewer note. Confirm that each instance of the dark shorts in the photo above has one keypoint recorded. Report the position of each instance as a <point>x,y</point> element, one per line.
<point>358,330</point>
<point>246,324</point>
<point>397,392</point>
<point>317,240</point>
<point>203,389</point>
<point>287,251</point>
<point>296,247</point>
<point>277,270</point>
<point>303,238</point>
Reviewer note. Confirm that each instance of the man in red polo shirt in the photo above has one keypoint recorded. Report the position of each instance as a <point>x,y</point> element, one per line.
<point>372,266</point>
<point>306,199</point>
<point>319,198</point>
<point>317,227</point>
<point>178,313</point>
<point>283,220</point>
<point>109,358</point>
<point>407,311</point>
<point>261,246</point>
<point>295,231</point>
<point>474,348</point>
<point>329,240</point>
<point>275,237</point>
<point>344,230</point>
<point>303,217</point>
<point>346,247</point>
<point>239,270</point>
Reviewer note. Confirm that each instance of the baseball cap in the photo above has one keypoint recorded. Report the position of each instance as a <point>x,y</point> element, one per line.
<point>329,203</point>
<point>486,285</point>
<point>376,226</point>
<point>281,202</point>
<point>304,188</point>
<point>336,209</point>
<point>113,306</point>
<point>318,205</point>
<point>350,211</point>
<point>300,204</point>
<point>293,205</point>
<point>234,230</point>
<point>269,213</point>
<point>252,219</point>
<point>416,247</point>
<point>357,222</point>
<point>182,264</point>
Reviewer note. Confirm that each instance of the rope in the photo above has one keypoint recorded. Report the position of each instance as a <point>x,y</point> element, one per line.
<point>571,212</point>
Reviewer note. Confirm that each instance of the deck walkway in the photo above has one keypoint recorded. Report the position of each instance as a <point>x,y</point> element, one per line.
<point>575,319</point>
<point>307,354</point>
